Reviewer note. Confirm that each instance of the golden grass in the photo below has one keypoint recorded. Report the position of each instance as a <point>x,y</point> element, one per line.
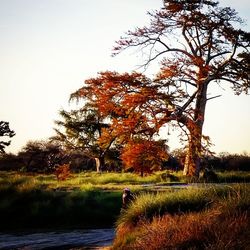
<point>79,181</point>
<point>224,225</point>
<point>210,230</point>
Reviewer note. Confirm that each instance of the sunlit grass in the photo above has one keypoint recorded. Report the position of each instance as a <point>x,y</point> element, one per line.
<point>233,176</point>
<point>82,181</point>
<point>118,178</point>
<point>208,230</point>
<point>111,181</point>
<point>149,205</point>
<point>194,218</point>
<point>41,200</point>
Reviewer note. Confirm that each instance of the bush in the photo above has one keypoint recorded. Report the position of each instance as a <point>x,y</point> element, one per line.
<point>62,172</point>
<point>10,162</point>
<point>210,176</point>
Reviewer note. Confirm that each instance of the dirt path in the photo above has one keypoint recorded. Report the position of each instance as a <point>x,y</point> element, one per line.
<point>76,239</point>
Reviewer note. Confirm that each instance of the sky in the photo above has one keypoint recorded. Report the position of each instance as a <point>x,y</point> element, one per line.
<point>49,47</point>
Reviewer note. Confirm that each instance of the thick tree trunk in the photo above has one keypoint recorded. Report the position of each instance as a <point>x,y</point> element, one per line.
<point>193,156</point>
<point>141,173</point>
<point>192,160</point>
<point>100,163</point>
<point>97,164</point>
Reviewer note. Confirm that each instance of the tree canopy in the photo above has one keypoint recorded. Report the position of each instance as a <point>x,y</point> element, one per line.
<point>126,102</point>
<point>5,131</point>
<point>196,43</point>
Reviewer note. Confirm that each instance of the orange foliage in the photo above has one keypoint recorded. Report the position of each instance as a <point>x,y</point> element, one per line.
<point>144,156</point>
<point>175,7</point>
<point>131,104</point>
<point>62,172</point>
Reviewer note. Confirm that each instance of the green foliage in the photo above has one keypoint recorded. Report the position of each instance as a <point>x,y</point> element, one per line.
<point>41,156</point>
<point>80,130</point>
<point>5,131</point>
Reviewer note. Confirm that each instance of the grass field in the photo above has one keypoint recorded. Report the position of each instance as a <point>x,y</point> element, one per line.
<point>93,200</point>
<point>43,202</point>
<point>85,200</point>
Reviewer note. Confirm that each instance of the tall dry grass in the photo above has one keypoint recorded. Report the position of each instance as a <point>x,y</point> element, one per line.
<point>149,205</point>
<point>225,224</point>
<point>210,230</point>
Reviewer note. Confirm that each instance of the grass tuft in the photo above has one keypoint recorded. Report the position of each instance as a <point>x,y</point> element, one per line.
<point>222,222</point>
<point>148,205</point>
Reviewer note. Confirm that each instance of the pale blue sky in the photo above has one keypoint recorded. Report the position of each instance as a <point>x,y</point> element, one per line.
<point>49,47</point>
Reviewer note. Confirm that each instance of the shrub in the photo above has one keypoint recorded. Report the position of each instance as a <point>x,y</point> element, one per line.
<point>62,172</point>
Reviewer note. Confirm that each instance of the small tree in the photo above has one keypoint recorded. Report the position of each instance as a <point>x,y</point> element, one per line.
<point>62,172</point>
<point>5,131</point>
<point>144,156</point>
<point>78,129</point>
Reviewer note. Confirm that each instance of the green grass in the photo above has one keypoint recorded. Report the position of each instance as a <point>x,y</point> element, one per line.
<point>91,199</point>
<point>43,202</point>
<point>106,181</point>
<point>85,181</point>
<point>50,209</point>
<point>88,199</point>
<point>233,177</point>
<point>83,200</point>
<point>149,205</point>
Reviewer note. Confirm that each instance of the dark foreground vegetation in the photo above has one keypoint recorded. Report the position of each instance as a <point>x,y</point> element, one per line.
<point>163,216</point>
<point>87,199</point>
<point>40,202</point>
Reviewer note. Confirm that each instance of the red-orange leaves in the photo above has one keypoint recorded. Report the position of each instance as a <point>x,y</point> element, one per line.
<point>62,172</point>
<point>132,106</point>
<point>116,92</point>
<point>174,7</point>
<point>144,156</point>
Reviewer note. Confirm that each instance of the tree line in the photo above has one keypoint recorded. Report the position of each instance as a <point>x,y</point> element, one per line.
<point>45,157</point>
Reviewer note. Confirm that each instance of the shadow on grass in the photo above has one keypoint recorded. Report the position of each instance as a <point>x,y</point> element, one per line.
<point>57,209</point>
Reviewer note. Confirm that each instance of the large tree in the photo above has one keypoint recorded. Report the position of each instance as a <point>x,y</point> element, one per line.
<point>128,104</point>
<point>197,43</point>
